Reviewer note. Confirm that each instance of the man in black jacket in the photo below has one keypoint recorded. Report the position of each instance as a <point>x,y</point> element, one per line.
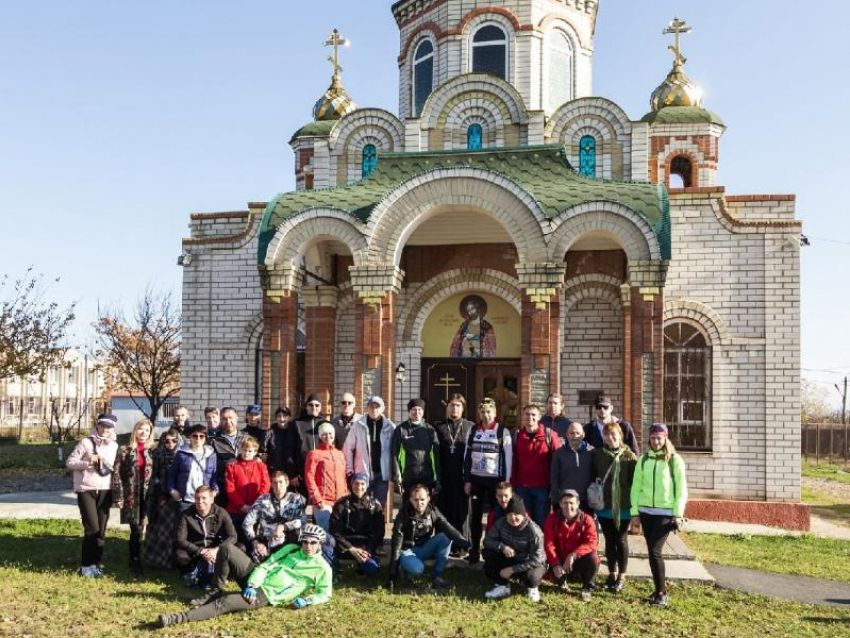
<point>226,445</point>
<point>452,435</point>
<point>415,451</point>
<point>604,415</point>
<point>201,530</point>
<point>357,524</point>
<point>421,532</point>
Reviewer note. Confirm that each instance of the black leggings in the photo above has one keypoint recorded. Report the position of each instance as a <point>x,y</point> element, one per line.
<point>482,496</point>
<point>656,529</point>
<point>494,562</point>
<point>94,510</point>
<point>616,545</point>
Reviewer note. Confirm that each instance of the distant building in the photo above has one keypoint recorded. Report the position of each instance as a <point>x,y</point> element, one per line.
<point>124,406</point>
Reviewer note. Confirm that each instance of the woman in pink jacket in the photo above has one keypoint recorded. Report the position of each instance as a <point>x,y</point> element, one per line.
<point>92,462</point>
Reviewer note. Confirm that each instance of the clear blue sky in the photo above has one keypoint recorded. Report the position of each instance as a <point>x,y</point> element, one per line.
<point>118,120</point>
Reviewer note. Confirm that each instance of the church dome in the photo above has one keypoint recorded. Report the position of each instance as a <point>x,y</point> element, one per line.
<point>676,90</point>
<point>334,104</point>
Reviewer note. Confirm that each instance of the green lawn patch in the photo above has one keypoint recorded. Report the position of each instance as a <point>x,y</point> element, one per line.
<point>40,595</point>
<point>32,455</point>
<point>837,473</point>
<point>826,506</point>
<point>804,555</point>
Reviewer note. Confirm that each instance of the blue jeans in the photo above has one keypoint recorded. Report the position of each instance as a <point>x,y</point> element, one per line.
<point>536,500</point>
<point>378,488</point>
<point>322,518</point>
<point>437,547</point>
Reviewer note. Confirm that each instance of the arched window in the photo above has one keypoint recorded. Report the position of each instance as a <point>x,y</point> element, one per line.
<point>370,160</point>
<point>559,69</point>
<point>475,137</point>
<point>587,156</point>
<point>687,386</point>
<point>423,75</point>
<point>681,172</point>
<point>490,51</point>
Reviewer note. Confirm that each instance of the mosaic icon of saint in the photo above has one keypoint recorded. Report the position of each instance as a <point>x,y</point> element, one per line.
<point>476,338</point>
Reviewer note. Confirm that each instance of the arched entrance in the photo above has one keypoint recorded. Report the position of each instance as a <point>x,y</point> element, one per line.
<point>471,344</point>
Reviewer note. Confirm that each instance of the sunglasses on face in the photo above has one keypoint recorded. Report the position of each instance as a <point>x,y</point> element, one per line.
<point>170,441</point>
<point>346,402</point>
<point>602,407</point>
<point>198,436</point>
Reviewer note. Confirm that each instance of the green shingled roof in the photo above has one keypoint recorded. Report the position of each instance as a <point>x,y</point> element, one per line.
<point>315,129</point>
<point>542,171</point>
<point>682,115</point>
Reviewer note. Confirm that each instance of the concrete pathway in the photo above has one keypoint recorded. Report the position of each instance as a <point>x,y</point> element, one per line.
<point>35,505</point>
<point>820,527</point>
<point>811,591</point>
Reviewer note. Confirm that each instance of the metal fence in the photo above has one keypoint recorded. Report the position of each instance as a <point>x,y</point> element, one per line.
<point>34,425</point>
<point>826,442</point>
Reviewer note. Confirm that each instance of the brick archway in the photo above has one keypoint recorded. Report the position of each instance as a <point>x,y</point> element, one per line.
<point>295,235</point>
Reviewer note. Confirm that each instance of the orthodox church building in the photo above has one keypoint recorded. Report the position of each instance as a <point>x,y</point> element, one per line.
<point>509,234</point>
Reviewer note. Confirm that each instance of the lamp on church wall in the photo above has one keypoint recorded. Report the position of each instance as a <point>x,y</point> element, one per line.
<point>401,373</point>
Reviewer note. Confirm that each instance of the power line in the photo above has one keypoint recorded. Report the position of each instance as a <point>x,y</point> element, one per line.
<point>830,241</point>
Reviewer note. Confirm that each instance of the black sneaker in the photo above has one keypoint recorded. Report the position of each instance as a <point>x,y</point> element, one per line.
<point>473,558</point>
<point>660,600</point>
<point>610,582</point>
<point>439,583</point>
<point>205,598</point>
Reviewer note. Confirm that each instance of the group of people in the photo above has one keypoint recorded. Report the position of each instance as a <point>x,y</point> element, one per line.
<point>222,503</point>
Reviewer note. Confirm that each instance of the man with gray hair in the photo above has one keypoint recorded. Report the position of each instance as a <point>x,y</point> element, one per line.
<point>345,420</point>
<point>367,449</point>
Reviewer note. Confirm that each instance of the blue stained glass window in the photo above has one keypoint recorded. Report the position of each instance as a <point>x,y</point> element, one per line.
<point>370,159</point>
<point>474,137</point>
<point>587,156</point>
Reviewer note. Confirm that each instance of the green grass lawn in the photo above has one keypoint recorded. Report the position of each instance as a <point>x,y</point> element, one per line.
<point>32,455</point>
<point>795,555</point>
<point>40,595</point>
<point>838,473</point>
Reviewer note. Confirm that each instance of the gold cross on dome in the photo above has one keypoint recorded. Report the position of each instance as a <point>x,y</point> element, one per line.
<point>677,27</point>
<point>336,41</point>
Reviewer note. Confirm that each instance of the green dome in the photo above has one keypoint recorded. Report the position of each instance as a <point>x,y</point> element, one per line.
<point>683,115</point>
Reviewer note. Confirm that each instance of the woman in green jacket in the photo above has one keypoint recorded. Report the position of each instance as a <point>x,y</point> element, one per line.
<point>659,496</point>
<point>296,575</point>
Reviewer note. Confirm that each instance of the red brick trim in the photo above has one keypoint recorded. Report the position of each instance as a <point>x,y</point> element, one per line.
<point>211,241</point>
<point>761,198</point>
<point>430,27</point>
<point>668,162</point>
<point>507,13</point>
<point>724,210</point>
<point>793,516</point>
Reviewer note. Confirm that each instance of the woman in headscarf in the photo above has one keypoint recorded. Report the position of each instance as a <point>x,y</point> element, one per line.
<point>92,462</point>
<point>614,464</point>
<point>659,495</point>
<point>163,512</point>
<point>131,486</point>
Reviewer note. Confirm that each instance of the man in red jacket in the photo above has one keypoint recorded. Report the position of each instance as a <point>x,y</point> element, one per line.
<point>534,446</point>
<point>569,538</point>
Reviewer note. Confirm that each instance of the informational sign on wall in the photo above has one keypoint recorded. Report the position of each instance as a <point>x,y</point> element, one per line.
<point>472,325</point>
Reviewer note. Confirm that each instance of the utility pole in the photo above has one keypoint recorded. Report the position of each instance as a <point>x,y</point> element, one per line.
<point>843,401</point>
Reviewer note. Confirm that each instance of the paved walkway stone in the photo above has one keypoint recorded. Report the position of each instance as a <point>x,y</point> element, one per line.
<point>811,591</point>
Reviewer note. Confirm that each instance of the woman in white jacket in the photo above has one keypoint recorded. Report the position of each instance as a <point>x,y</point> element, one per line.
<point>367,450</point>
<point>92,462</point>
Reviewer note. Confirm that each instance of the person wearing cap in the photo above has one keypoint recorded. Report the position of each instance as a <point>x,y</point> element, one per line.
<point>488,462</point>
<point>131,482</point>
<point>92,462</point>
<point>194,465</point>
<point>571,544</point>
<point>513,549</point>
<point>555,419</point>
<point>284,446</point>
<point>357,525</point>
<point>452,433</point>
<point>345,420</point>
<point>659,496</point>
<point>614,468</point>
<point>297,576</point>
<point>605,415</point>
<point>421,532</point>
<point>226,445</point>
<point>367,449</point>
<point>324,476</point>
<point>254,426</point>
<point>307,424</point>
<point>534,447</point>
<point>415,451</point>
<point>572,466</point>
<point>274,519</point>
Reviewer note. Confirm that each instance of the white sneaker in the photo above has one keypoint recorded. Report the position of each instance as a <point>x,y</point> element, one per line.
<point>534,594</point>
<point>499,591</point>
<point>85,572</point>
<point>96,572</point>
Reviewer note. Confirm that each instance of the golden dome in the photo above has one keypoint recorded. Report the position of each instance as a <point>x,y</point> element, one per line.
<point>676,90</point>
<point>334,103</point>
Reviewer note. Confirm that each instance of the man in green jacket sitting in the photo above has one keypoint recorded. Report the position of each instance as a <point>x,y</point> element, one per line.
<point>296,575</point>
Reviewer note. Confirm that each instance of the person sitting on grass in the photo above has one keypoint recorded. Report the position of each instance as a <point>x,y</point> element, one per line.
<point>245,480</point>
<point>504,494</point>
<point>571,544</point>
<point>513,549</point>
<point>293,575</point>
<point>274,519</point>
<point>201,530</point>
<point>357,524</point>
<point>421,532</point>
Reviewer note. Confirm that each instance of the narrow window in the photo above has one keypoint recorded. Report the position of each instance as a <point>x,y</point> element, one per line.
<point>681,172</point>
<point>370,159</point>
<point>687,386</point>
<point>490,51</point>
<point>559,69</point>
<point>474,137</point>
<point>423,75</point>
<point>587,156</point>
